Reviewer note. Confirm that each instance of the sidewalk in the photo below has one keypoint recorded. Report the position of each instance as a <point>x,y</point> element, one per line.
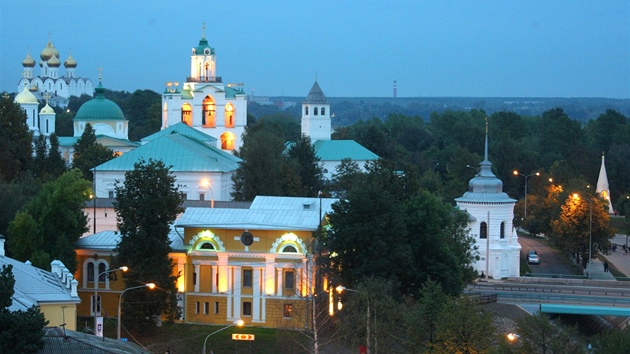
<point>618,259</point>
<point>596,269</point>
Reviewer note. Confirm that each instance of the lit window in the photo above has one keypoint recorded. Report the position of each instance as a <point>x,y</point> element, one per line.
<point>247,308</point>
<point>288,310</point>
<point>206,246</point>
<point>289,249</point>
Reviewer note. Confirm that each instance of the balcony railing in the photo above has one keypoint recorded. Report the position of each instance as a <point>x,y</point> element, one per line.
<point>204,79</point>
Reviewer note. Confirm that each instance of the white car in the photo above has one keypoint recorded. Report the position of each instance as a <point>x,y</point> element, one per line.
<point>532,257</point>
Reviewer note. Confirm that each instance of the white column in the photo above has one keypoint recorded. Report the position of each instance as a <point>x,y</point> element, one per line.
<point>256,315</point>
<point>280,279</point>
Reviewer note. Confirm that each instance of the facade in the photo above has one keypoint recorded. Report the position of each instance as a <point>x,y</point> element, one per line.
<point>250,263</point>
<point>316,124</point>
<point>602,186</point>
<point>205,103</point>
<point>51,83</point>
<point>54,293</point>
<point>491,214</point>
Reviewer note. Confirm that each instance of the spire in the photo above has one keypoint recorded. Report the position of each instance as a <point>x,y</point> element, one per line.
<point>602,185</point>
<point>203,29</point>
<point>485,152</point>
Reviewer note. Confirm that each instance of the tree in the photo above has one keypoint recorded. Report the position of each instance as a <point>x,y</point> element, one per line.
<point>55,165</point>
<point>20,331</point>
<point>538,334</point>
<point>421,321</point>
<point>612,341</point>
<point>50,223</point>
<point>88,153</point>
<point>147,204</point>
<point>308,167</point>
<point>15,140</point>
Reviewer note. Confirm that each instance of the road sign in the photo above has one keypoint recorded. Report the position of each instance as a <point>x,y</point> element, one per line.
<point>238,336</point>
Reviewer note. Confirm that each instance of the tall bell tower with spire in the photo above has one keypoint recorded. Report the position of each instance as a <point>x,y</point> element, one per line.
<point>491,215</point>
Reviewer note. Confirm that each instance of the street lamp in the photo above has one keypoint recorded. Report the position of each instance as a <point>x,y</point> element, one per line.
<point>516,173</point>
<point>238,323</point>
<point>340,289</point>
<point>148,285</point>
<point>97,303</point>
<point>590,229</point>
<point>206,184</point>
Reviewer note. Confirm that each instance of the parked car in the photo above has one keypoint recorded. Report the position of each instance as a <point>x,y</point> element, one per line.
<point>532,257</point>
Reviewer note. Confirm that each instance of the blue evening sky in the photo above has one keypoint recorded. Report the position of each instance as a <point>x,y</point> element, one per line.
<point>492,48</point>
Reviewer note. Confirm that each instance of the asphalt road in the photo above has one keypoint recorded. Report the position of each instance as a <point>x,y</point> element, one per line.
<point>550,261</point>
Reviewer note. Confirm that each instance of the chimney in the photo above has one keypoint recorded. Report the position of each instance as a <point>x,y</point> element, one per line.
<point>73,291</point>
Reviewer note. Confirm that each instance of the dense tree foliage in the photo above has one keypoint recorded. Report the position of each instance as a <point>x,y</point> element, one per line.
<point>538,334</point>
<point>88,153</point>
<point>20,331</point>
<point>147,204</point>
<point>15,140</point>
<point>51,222</point>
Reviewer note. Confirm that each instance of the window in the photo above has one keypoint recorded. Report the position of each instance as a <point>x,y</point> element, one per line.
<point>247,308</point>
<point>208,109</point>
<point>229,115</point>
<point>247,278</point>
<point>90,271</point>
<point>502,230</point>
<point>207,246</point>
<point>101,272</point>
<point>110,194</point>
<point>323,110</point>
<point>216,280</point>
<point>228,141</point>
<point>206,308</point>
<point>288,310</point>
<point>216,307</point>
<point>184,196</point>
<point>187,114</point>
<point>194,276</point>
<point>315,111</point>
<point>96,305</point>
<point>289,279</point>
<point>202,196</point>
<point>483,230</point>
<point>289,249</point>
<point>197,307</point>
<point>306,110</point>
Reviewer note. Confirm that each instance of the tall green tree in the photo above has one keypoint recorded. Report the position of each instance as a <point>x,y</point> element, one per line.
<point>421,321</point>
<point>538,334</point>
<point>308,166</point>
<point>147,204</point>
<point>88,153</point>
<point>20,331</point>
<point>50,223</point>
<point>55,164</point>
<point>15,140</point>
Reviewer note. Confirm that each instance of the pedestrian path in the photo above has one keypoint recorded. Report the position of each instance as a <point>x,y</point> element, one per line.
<point>619,259</point>
<point>597,270</point>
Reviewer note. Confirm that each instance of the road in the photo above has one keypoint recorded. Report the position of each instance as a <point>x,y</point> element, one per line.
<point>550,261</point>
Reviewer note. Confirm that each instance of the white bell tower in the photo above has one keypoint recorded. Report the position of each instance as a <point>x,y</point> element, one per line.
<point>316,115</point>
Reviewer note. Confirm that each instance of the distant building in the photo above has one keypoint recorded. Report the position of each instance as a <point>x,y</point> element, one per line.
<point>491,215</point>
<point>205,103</point>
<point>50,82</point>
<point>54,293</point>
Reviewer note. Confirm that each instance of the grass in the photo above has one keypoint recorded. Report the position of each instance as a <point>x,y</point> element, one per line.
<point>188,339</point>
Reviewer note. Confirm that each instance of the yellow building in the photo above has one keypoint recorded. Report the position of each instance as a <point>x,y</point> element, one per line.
<point>250,263</point>
<point>54,292</point>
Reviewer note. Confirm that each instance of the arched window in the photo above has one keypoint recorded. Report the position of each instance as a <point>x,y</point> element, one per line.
<point>90,271</point>
<point>502,230</point>
<point>483,230</point>
<point>315,111</point>
<point>289,249</point>
<point>101,272</point>
<point>187,114</point>
<point>323,111</point>
<point>227,141</point>
<point>229,115</point>
<point>208,110</point>
<point>306,110</point>
<point>206,246</point>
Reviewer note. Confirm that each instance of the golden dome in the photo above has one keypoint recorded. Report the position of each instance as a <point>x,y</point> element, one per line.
<point>48,52</point>
<point>33,88</point>
<point>54,62</point>
<point>47,110</point>
<point>25,97</point>
<point>28,62</point>
<point>70,62</point>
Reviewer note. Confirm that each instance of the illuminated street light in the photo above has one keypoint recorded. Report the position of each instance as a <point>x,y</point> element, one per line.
<point>516,173</point>
<point>238,323</point>
<point>341,289</point>
<point>97,303</point>
<point>206,184</point>
<point>148,285</point>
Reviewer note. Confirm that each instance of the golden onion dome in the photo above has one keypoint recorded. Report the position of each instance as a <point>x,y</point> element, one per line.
<point>48,52</point>
<point>47,110</point>
<point>70,62</point>
<point>33,88</point>
<point>26,97</point>
<point>28,62</point>
<point>54,62</point>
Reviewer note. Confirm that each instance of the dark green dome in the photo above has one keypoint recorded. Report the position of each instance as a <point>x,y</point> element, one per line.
<point>100,108</point>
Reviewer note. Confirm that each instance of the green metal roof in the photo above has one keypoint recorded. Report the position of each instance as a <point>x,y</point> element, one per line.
<point>99,108</point>
<point>337,150</point>
<point>203,44</point>
<point>184,129</point>
<point>105,140</point>
<point>181,152</point>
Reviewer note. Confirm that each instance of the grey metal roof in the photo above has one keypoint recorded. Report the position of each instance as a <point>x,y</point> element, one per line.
<point>57,340</point>
<point>316,95</point>
<point>250,219</point>
<point>108,240</point>
<point>293,203</point>
<point>34,286</point>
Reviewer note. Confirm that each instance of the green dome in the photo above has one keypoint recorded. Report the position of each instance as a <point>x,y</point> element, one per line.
<point>203,48</point>
<point>99,108</point>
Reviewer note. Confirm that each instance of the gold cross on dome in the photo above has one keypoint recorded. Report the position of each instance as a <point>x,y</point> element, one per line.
<point>203,29</point>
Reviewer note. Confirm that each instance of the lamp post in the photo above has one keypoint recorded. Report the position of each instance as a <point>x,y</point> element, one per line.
<point>97,303</point>
<point>148,285</point>
<point>590,230</point>
<point>206,184</point>
<point>340,289</point>
<point>235,323</point>
<point>516,173</point>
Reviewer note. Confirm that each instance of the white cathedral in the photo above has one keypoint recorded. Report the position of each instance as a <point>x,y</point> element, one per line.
<point>491,215</point>
<point>51,84</point>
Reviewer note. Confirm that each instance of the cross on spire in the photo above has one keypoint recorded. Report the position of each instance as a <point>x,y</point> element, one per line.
<point>203,29</point>
<point>100,73</point>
